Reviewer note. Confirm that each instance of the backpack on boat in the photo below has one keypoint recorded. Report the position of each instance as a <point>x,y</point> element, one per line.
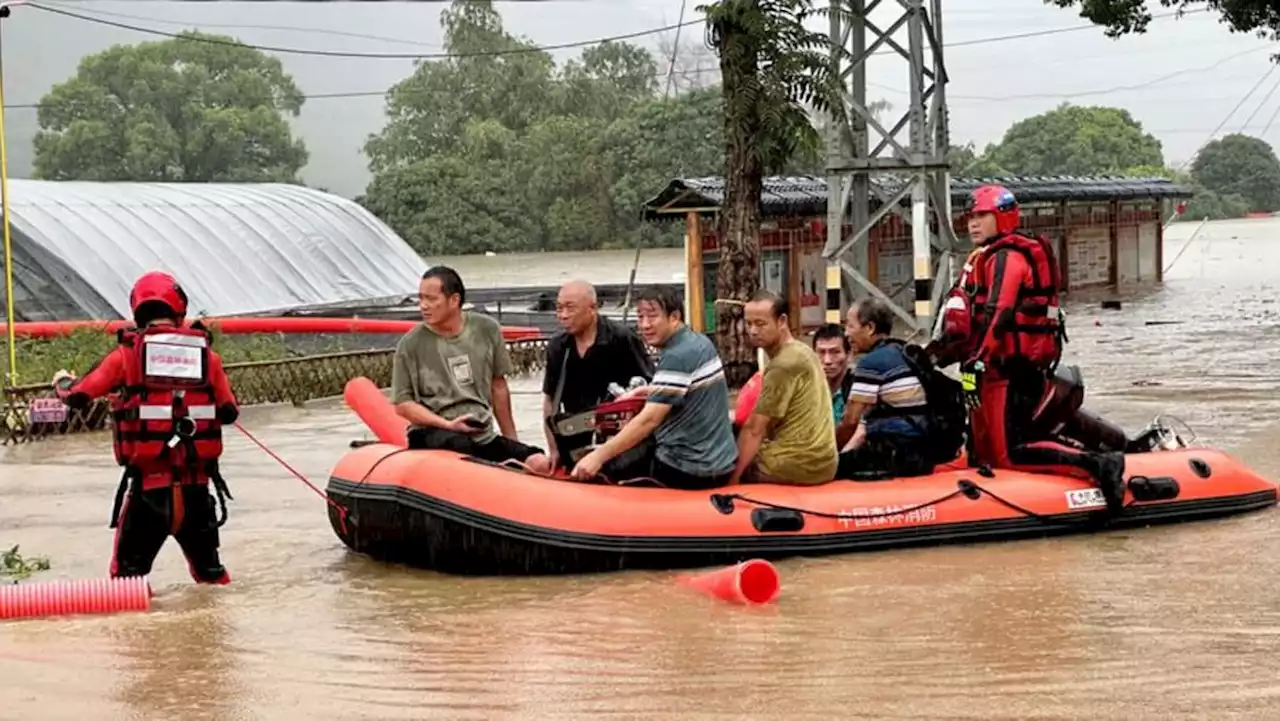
<point>948,414</point>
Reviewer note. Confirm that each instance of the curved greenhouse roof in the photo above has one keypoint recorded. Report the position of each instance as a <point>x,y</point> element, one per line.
<point>236,248</point>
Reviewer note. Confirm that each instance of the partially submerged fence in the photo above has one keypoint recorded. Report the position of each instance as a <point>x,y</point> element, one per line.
<point>32,412</point>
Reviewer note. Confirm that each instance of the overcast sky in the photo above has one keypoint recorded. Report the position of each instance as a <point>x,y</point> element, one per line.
<point>1180,80</point>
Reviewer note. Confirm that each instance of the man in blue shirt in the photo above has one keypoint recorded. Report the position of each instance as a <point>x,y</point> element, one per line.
<point>885,427</point>
<point>687,404</point>
<point>833,349</point>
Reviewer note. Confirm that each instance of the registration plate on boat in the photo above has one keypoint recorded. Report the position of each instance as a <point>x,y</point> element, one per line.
<point>1086,498</point>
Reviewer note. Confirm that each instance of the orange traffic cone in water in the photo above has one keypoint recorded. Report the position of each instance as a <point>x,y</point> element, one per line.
<point>754,581</point>
<point>363,396</point>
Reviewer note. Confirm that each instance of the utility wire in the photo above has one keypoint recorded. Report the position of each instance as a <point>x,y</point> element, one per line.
<point>1240,104</point>
<point>281,28</point>
<point>1265,98</point>
<point>666,93</point>
<point>1058,31</point>
<point>668,75</point>
<point>514,51</point>
<point>1118,88</point>
<point>1267,127</point>
<point>665,75</point>
<point>341,54</point>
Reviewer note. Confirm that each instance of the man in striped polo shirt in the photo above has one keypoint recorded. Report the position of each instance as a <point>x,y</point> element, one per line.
<point>687,408</point>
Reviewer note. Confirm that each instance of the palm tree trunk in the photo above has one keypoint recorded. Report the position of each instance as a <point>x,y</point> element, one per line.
<point>738,273</point>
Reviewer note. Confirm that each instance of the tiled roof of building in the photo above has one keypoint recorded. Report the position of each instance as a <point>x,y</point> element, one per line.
<point>806,195</point>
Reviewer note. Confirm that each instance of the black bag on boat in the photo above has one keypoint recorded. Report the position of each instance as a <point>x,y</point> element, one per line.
<point>948,415</point>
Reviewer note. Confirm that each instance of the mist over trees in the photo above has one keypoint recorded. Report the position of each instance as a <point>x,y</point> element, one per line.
<point>501,148</point>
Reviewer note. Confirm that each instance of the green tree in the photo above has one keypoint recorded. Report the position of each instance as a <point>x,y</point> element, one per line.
<point>1211,205</point>
<point>1242,166</point>
<point>1121,17</point>
<point>472,159</point>
<point>967,162</point>
<point>467,201</point>
<point>429,111</point>
<point>198,108</point>
<point>663,139</point>
<point>1076,140</point>
<point>1204,203</point>
<point>771,67</point>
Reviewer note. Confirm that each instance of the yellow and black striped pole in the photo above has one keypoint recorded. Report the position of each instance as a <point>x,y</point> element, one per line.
<point>834,311</point>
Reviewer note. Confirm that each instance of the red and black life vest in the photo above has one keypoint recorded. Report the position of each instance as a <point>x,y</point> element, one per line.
<point>166,418</point>
<point>1036,329</point>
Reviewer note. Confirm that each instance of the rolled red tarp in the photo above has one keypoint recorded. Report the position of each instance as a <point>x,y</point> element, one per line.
<point>58,598</point>
<point>236,326</point>
<point>750,582</point>
<point>364,398</point>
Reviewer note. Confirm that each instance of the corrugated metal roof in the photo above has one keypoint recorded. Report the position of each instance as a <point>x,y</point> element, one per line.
<point>807,195</point>
<point>236,248</point>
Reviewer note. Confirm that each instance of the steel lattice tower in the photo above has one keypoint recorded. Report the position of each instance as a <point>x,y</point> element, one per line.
<point>915,167</point>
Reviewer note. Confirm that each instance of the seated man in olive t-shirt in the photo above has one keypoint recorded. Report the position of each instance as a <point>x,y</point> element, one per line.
<point>448,379</point>
<point>790,436</point>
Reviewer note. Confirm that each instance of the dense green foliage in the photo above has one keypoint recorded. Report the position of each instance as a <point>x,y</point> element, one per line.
<point>508,152</point>
<point>1243,167</point>
<point>1121,17</point>
<point>178,110</point>
<point>1230,176</point>
<point>1076,140</point>
<point>772,69</point>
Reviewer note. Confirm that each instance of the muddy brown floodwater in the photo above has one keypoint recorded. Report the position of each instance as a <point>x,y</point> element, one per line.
<point>1177,622</point>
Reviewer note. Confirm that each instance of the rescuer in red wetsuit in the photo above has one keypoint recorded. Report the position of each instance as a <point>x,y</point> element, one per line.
<point>169,400</point>
<point>1004,318</point>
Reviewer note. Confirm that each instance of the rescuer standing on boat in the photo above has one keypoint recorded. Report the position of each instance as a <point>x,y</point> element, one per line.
<point>1004,318</point>
<point>171,400</point>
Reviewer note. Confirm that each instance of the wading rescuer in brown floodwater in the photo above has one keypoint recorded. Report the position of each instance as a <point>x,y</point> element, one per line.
<point>170,400</point>
<point>1004,321</point>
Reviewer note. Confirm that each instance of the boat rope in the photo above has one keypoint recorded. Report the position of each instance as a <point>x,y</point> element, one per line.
<point>522,466</point>
<point>342,511</point>
<point>723,502</point>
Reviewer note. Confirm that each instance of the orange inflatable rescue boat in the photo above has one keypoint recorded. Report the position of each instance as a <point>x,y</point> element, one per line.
<point>452,513</point>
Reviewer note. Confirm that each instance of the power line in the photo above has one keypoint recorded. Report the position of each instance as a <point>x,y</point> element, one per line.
<point>1208,140</point>
<point>1058,31</point>
<point>372,56</point>
<point>708,70</point>
<point>283,28</point>
<point>1267,127</point>
<point>513,51</point>
<point>1265,98</point>
<point>1117,88</point>
<point>677,26</point>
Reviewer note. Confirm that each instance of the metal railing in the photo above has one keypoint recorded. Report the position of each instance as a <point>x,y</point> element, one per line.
<point>32,412</point>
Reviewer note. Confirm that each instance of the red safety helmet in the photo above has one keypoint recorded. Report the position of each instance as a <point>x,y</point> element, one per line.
<point>161,288</point>
<point>997,199</point>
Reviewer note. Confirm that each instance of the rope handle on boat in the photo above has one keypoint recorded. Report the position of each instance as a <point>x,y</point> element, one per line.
<point>723,502</point>
<point>342,511</point>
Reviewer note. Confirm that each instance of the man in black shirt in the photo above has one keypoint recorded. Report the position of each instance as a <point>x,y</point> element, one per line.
<point>592,352</point>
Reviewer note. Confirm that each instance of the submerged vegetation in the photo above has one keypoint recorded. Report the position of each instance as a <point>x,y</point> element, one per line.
<point>13,566</point>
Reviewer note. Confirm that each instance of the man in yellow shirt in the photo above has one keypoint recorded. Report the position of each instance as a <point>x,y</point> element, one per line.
<point>790,437</point>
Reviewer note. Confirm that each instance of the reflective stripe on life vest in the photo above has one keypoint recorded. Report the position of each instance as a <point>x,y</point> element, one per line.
<point>151,412</point>
<point>166,420</point>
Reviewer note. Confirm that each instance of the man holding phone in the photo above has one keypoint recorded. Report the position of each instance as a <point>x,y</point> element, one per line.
<point>449,378</point>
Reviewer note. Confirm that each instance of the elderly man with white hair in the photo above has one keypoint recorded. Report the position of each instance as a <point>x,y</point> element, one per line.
<point>582,361</point>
